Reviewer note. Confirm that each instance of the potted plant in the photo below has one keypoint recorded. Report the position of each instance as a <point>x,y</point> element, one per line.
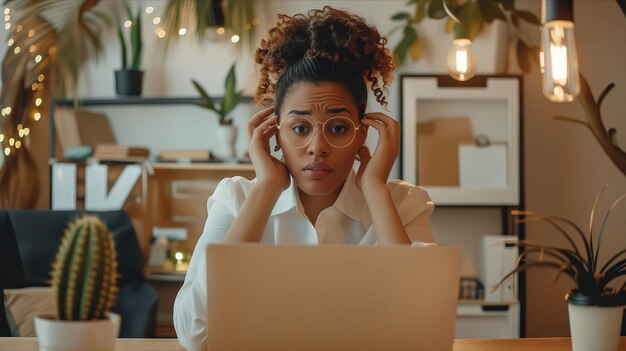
<point>227,133</point>
<point>84,281</point>
<point>595,309</point>
<point>128,80</point>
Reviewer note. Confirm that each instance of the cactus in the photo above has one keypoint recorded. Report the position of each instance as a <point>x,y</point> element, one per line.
<point>85,271</point>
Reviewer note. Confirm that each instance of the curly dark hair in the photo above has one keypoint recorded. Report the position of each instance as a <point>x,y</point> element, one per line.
<point>324,45</point>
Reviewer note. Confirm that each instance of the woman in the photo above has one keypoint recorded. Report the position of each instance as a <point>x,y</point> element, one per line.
<point>314,70</point>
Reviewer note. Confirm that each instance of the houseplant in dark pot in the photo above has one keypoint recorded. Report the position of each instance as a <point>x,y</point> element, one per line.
<point>595,309</point>
<point>84,281</point>
<point>227,133</point>
<point>129,79</point>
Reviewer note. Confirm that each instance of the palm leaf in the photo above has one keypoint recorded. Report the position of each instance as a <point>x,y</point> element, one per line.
<point>615,257</point>
<point>591,218</point>
<point>606,217</point>
<point>207,101</point>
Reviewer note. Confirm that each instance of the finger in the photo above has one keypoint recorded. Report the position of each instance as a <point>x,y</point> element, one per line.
<point>364,154</point>
<point>258,118</point>
<point>266,129</point>
<point>379,126</point>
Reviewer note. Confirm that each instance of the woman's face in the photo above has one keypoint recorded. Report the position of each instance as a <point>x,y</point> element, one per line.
<point>319,168</point>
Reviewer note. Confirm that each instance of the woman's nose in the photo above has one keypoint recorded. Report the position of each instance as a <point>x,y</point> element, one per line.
<point>318,145</point>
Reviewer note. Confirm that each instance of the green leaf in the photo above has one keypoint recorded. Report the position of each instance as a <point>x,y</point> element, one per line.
<point>420,11</point>
<point>416,49</point>
<point>491,11</point>
<point>400,51</point>
<point>401,16</point>
<point>229,92</point>
<point>136,44</point>
<point>528,17</point>
<point>120,35</point>
<point>207,102</point>
<point>435,9</point>
<point>471,22</point>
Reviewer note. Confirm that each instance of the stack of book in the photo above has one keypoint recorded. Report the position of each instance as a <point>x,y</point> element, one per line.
<point>199,155</point>
<point>119,152</point>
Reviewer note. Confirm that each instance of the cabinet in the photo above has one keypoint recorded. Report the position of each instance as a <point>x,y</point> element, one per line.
<point>462,142</point>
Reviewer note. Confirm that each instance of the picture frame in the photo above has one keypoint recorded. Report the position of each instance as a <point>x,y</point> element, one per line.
<point>461,140</point>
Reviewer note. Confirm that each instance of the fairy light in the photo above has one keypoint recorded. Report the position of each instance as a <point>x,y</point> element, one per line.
<point>12,141</point>
<point>32,48</point>
<point>36,116</point>
<point>182,31</point>
<point>26,131</point>
<point>31,33</point>
<point>7,18</point>
<point>20,126</point>
<point>220,30</point>
<point>7,11</point>
<point>41,77</point>
<point>128,23</point>
<point>161,33</point>
<point>156,20</point>
<point>7,151</point>
<point>19,28</point>
<point>234,38</point>
<point>1,138</point>
<point>11,42</point>
<point>17,50</point>
<point>52,50</point>
<point>38,101</point>
<point>18,144</point>
<point>255,22</point>
<point>7,26</point>
<point>38,58</point>
<point>21,133</point>
<point>149,9</point>
<point>33,86</point>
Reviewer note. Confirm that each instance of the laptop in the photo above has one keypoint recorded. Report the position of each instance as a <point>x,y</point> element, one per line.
<point>267,297</point>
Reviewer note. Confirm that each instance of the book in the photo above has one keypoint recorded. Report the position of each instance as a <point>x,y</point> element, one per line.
<point>114,151</point>
<point>188,155</point>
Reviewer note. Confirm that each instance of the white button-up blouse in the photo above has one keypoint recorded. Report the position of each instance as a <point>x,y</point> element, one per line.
<point>348,221</point>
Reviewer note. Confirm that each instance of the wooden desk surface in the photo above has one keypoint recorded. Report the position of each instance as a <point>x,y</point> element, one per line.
<point>543,344</point>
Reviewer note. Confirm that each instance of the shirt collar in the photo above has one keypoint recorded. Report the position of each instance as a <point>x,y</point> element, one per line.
<point>350,200</point>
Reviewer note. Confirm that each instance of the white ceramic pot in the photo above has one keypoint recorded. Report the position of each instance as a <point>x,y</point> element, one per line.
<point>96,335</point>
<point>226,137</point>
<point>595,328</point>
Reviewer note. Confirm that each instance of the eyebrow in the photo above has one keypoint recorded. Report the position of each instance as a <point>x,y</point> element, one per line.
<point>308,112</point>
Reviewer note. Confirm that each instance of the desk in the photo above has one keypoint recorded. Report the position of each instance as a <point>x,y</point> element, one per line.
<point>544,344</point>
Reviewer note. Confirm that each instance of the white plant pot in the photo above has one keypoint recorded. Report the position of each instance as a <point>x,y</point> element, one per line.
<point>226,137</point>
<point>595,328</point>
<point>96,335</point>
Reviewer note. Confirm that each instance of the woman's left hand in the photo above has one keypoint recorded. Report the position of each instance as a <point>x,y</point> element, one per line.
<point>375,169</point>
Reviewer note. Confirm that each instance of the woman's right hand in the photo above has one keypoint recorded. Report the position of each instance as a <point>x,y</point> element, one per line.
<point>270,171</point>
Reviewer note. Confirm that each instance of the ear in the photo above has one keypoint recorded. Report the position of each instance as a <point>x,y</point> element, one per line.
<point>363,132</point>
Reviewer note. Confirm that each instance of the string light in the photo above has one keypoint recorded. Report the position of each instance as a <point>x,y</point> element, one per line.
<point>1,138</point>
<point>255,22</point>
<point>21,133</point>
<point>37,117</point>
<point>7,11</point>
<point>156,20</point>
<point>11,42</point>
<point>182,31</point>
<point>18,144</point>
<point>33,86</point>
<point>17,50</point>
<point>8,108</point>
<point>161,32</point>
<point>7,151</point>
<point>11,141</point>
<point>52,50</point>
<point>26,131</point>
<point>234,38</point>
<point>7,18</point>
<point>32,48</point>
<point>41,77</point>
<point>149,9</point>
<point>7,26</point>
<point>38,102</point>
<point>31,33</point>
<point>220,30</point>
<point>19,28</point>
<point>128,23</point>
<point>19,126</point>
<point>38,58</point>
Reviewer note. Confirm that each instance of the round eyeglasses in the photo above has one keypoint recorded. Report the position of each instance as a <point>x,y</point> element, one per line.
<point>297,132</point>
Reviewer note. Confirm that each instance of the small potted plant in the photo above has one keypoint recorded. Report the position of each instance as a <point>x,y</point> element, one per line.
<point>595,309</point>
<point>129,79</point>
<point>84,281</point>
<point>227,133</point>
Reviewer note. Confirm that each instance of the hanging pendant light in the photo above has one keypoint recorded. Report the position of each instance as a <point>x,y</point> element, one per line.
<point>561,82</point>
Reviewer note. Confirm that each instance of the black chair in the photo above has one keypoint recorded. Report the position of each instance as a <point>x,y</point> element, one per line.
<point>28,243</point>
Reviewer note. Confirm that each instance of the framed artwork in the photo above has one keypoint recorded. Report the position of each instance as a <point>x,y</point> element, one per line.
<point>461,140</point>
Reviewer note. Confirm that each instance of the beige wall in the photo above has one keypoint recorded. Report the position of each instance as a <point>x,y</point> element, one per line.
<point>564,165</point>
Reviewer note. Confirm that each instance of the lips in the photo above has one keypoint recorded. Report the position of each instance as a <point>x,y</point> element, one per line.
<point>318,166</point>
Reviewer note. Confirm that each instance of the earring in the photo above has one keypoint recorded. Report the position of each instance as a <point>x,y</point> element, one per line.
<point>276,148</point>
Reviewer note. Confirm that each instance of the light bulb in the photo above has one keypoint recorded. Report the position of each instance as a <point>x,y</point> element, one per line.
<point>560,77</point>
<point>561,82</point>
<point>461,60</point>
